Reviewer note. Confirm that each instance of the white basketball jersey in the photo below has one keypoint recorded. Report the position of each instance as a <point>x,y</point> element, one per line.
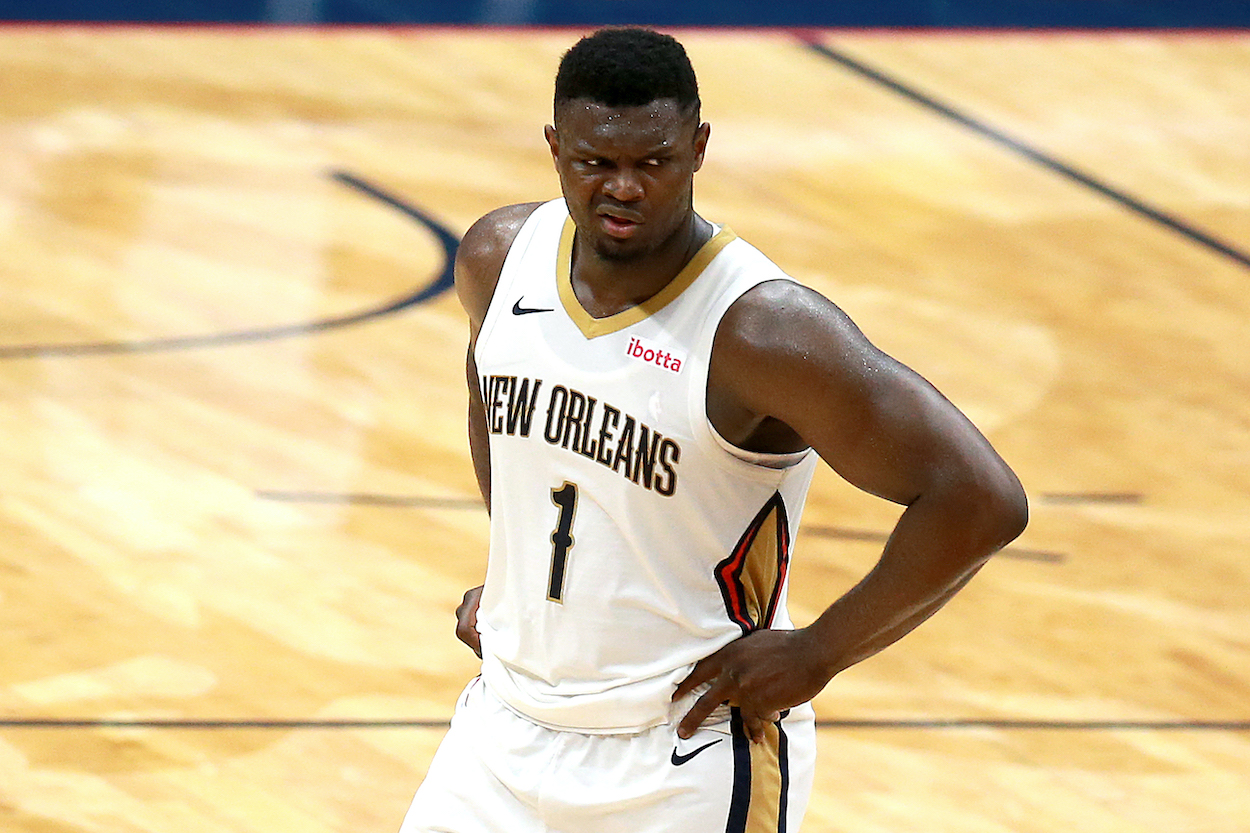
<point>628,540</point>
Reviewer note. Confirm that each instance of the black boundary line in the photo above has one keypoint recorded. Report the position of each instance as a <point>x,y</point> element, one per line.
<point>845,534</point>
<point>144,723</point>
<point>443,282</point>
<point>1045,725</point>
<point>912,724</point>
<point>1045,160</point>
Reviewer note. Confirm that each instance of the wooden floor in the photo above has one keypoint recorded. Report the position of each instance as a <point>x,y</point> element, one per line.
<point>236,509</point>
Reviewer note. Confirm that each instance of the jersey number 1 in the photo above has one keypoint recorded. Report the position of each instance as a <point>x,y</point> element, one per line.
<point>565,498</point>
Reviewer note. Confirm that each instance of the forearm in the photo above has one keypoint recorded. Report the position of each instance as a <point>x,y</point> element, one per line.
<point>936,548</point>
<point>479,437</point>
<point>479,451</point>
<point>869,619</point>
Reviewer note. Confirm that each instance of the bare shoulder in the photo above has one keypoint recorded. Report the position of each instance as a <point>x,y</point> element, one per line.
<point>481,254</point>
<point>784,353</point>
<point>782,321</point>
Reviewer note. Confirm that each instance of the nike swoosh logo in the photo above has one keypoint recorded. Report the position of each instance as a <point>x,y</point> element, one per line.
<point>678,760</point>
<point>517,309</point>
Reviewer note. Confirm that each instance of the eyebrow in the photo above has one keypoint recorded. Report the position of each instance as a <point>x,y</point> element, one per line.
<point>587,148</point>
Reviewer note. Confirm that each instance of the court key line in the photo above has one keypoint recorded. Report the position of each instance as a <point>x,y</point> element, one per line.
<point>847,534</point>
<point>417,502</point>
<point>369,499</point>
<point>1024,149</point>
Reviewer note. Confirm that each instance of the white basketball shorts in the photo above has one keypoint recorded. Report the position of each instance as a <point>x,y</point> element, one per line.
<point>496,772</point>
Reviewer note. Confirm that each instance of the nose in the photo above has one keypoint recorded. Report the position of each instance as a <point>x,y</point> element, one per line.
<point>624,186</point>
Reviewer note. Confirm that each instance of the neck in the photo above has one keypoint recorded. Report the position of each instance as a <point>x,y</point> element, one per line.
<point>606,286</point>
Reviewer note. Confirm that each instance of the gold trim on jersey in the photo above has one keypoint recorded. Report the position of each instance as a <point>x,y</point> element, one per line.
<point>592,327</point>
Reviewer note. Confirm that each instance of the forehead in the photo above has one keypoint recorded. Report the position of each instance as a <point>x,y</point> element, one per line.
<point>661,122</point>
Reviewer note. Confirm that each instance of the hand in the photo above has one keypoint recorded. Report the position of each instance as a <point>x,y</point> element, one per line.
<point>466,620</point>
<point>761,673</point>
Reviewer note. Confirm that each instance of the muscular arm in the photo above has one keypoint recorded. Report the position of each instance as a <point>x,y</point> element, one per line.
<point>789,368</point>
<point>479,260</point>
<point>479,442</point>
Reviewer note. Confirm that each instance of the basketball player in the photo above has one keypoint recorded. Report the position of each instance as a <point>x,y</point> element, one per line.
<point>649,395</point>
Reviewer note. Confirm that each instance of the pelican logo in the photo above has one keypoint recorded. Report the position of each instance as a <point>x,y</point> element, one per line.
<point>649,352</point>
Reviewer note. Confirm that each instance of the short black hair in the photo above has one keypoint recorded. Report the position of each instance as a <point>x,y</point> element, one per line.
<point>627,67</point>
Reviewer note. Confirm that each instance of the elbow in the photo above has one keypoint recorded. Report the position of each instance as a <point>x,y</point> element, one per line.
<point>1014,518</point>
<point>988,506</point>
<point>1004,509</point>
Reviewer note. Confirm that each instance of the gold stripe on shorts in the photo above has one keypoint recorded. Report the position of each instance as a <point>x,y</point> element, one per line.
<point>761,781</point>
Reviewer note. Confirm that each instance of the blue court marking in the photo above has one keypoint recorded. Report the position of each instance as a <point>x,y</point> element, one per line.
<point>1133,204</point>
<point>438,286</point>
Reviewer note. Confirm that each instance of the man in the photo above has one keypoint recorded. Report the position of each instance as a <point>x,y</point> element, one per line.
<point>648,397</point>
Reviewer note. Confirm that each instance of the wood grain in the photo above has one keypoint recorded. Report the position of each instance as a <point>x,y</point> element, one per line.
<point>278,526</point>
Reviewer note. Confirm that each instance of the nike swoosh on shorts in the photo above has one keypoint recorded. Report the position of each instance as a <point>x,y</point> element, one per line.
<point>678,760</point>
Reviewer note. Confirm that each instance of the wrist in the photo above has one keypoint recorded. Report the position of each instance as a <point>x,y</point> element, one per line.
<point>820,651</point>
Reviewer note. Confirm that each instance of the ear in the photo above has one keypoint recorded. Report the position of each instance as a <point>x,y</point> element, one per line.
<point>553,141</point>
<point>700,143</point>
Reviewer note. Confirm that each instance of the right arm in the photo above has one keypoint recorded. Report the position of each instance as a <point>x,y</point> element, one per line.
<point>479,260</point>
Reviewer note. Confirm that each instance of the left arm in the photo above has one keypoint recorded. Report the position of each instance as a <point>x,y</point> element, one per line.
<point>789,366</point>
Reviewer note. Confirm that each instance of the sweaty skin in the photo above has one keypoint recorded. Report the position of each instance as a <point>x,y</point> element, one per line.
<point>788,370</point>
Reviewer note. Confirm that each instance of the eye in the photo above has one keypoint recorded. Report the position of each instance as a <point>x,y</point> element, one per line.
<point>655,162</point>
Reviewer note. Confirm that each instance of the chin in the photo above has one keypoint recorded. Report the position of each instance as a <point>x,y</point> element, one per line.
<point>619,255</point>
<point>620,251</point>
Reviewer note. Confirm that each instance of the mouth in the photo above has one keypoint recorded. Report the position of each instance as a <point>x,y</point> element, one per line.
<point>619,223</point>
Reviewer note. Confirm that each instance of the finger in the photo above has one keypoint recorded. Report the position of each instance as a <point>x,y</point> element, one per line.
<point>469,636</point>
<point>466,619</point>
<point>469,602</point>
<point>704,670</point>
<point>466,623</point>
<point>755,726</point>
<point>699,712</point>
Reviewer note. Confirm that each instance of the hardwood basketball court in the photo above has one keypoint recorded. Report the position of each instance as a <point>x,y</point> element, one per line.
<point>237,510</point>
